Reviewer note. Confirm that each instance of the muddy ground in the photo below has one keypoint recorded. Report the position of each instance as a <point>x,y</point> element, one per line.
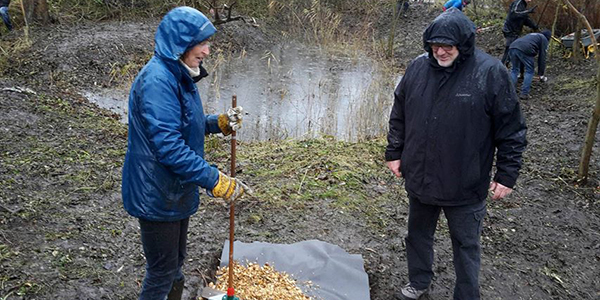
<point>64,234</point>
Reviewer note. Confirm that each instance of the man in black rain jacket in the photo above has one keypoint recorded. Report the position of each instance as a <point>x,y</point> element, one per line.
<point>518,15</point>
<point>453,108</point>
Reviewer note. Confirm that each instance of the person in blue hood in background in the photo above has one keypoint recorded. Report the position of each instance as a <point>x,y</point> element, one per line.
<point>460,4</point>
<point>164,164</point>
<point>454,110</point>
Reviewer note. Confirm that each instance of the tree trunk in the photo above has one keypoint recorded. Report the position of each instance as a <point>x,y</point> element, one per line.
<point>36,11</point>
<point>588,145</point>
<point>590,137</point>
<point>392,35</point>
<point>551,49</point>
<point>577,43</point>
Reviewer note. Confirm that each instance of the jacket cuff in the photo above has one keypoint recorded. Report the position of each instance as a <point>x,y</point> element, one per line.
<point>504,180</point>
<point>214,179</point>
<point>390,156</point>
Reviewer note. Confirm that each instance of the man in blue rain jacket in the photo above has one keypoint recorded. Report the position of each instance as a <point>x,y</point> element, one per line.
<point>164,164</point>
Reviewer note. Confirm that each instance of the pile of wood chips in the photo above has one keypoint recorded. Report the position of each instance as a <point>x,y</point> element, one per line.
<point>259,283</point>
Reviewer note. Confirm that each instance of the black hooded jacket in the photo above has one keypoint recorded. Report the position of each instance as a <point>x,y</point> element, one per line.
<point>4,3</point>
<point>446,123</point>
<point>518,15</point>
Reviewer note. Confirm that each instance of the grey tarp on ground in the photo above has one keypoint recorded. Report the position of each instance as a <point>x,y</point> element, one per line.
<point>335,274</point>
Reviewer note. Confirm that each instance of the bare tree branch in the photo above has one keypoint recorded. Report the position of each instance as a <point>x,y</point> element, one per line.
<point>586,153</point>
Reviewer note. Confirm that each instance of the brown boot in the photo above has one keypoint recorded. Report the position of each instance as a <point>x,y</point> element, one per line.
<point>176,290</point>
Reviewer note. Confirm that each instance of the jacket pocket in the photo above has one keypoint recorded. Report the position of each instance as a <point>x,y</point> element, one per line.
<point>167,184</point>
<point>479,216</point>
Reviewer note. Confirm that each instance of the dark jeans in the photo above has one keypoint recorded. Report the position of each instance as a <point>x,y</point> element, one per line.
<point>6,17</point>
<point>509,39</point>
<point>465,223</point>
<point>165,249</point>
<point>518,59</point>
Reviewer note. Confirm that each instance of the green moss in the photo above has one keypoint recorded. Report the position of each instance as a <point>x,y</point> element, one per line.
<point>574,84</point>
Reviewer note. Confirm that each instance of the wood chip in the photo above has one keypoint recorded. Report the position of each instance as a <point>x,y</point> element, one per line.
<point>260,283</point>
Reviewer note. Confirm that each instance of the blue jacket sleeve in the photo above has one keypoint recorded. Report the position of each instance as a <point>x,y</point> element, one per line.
<point>542,57</point>
<point>161,112</point>
<point>212,125</point>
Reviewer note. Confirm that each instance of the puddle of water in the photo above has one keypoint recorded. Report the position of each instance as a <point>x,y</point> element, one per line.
<point>292,91</point>
<point>295,91</point>
<point>113,100</point>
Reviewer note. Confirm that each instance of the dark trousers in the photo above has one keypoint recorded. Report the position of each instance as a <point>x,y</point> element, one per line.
<point>402,7</point>
<point>520,60</point>
<point>165,250</point>
<point>5,17</point>
<point>509,39</point>
<point>465,224</point>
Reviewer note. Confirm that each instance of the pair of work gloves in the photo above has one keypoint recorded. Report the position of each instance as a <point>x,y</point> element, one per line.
<point>230,188</point>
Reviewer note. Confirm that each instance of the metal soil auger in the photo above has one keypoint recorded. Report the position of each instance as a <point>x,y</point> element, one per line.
<point>208,293</point>
<point>230,290</point>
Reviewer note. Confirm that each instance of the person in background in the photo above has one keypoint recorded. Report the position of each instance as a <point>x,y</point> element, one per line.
<point>444,132</point>
<point>4,14</point>
<point>460,4</point>
<point>164,164</point>
<point>518,16</point>
<point>522,53</point>
<point>402,8</point>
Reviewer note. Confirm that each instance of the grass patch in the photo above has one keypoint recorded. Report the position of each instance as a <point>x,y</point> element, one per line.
<point>292,174</point>
<point>576,84</point>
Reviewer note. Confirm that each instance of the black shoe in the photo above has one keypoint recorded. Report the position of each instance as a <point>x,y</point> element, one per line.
<point>524,97</point>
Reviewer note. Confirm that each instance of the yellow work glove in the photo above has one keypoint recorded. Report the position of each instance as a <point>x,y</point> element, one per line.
<point>229,188</point>
<point>231,121</point>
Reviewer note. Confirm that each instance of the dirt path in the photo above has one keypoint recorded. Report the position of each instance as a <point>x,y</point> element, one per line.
<point>64,234</point>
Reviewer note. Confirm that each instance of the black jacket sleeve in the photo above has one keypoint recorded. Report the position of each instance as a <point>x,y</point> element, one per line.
<point>509,130</point>
<point>529,23</point>
<point>396,134</point>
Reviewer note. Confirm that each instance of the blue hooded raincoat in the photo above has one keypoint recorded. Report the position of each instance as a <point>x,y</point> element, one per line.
<point>453,3</point>
<point>164,164</point>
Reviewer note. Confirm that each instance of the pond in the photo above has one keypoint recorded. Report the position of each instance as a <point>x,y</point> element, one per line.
<point>292,91</point>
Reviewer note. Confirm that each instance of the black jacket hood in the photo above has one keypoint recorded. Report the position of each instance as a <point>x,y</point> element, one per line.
<point>453,28</point>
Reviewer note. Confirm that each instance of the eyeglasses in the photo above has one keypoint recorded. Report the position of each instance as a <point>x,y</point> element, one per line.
<point>436,47</point>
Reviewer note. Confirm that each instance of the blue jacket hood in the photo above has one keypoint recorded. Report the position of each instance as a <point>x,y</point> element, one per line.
<point>181,29</point>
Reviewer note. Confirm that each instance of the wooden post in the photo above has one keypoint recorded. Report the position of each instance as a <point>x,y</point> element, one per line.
<point>232,203</point>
